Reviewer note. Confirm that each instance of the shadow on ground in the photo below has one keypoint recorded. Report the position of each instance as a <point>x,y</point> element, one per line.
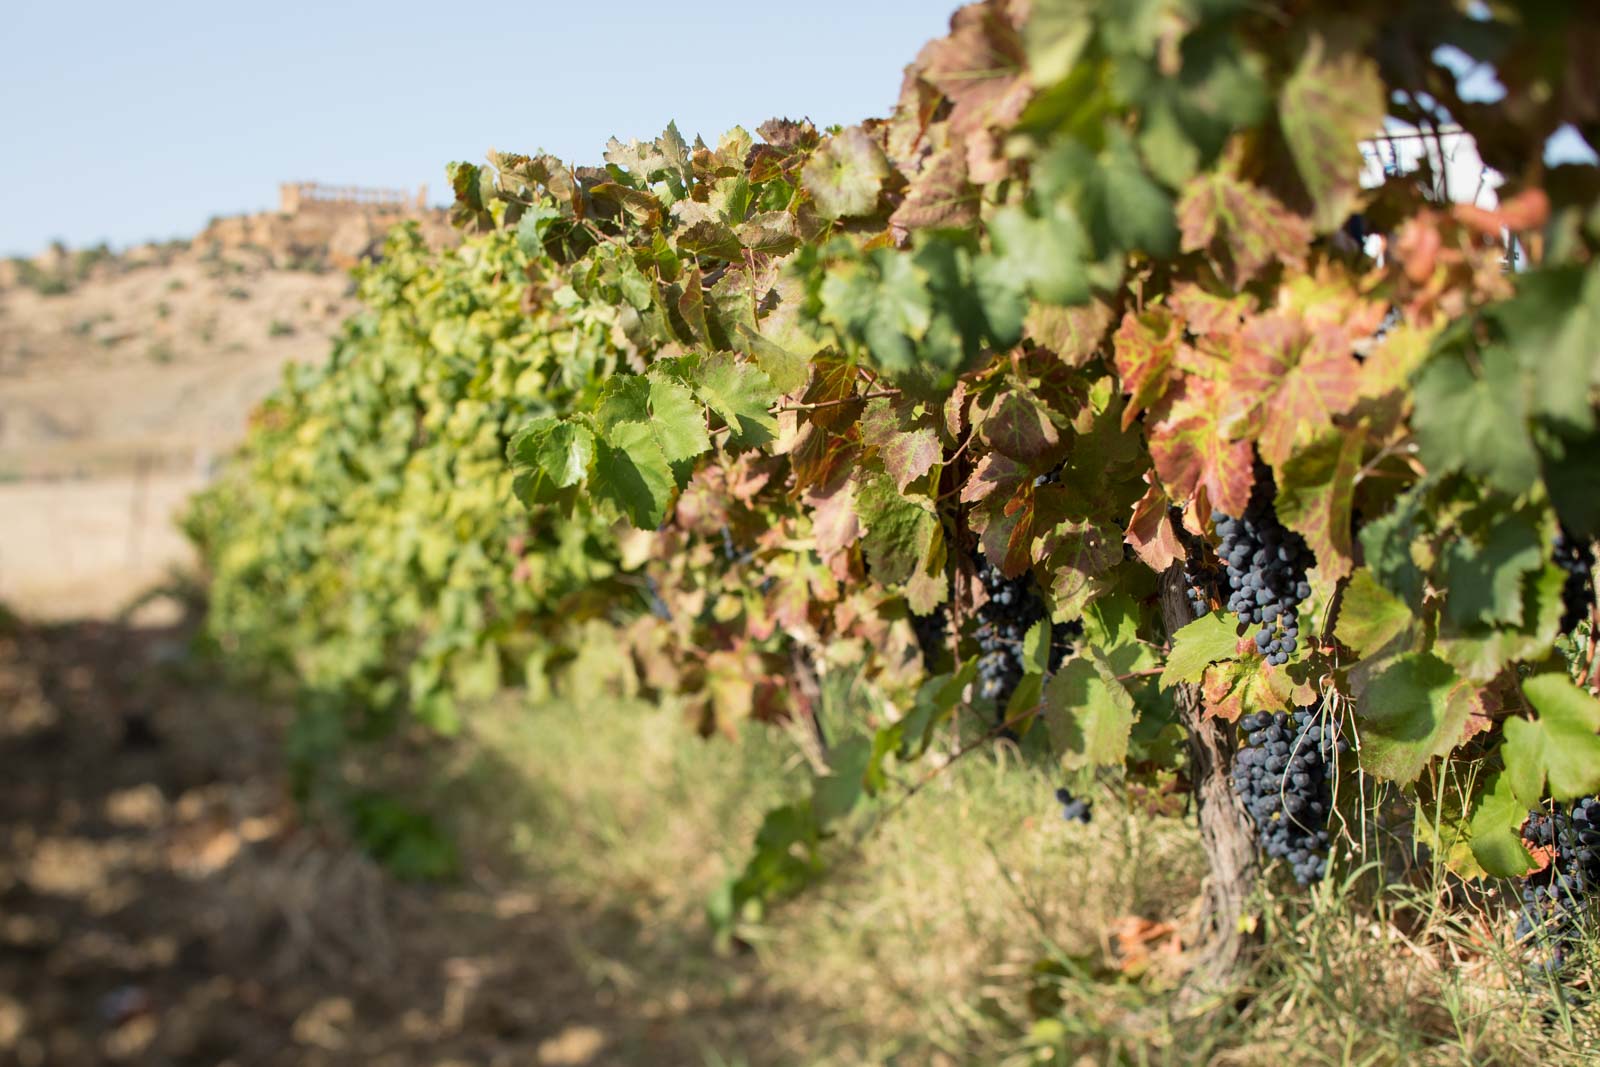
<point>162,903</point>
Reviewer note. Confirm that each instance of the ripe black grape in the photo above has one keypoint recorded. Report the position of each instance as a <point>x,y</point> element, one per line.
<point>1003,621</point>
<point>1013,607</point>
<point>1267,566</point>
<point>1577,594</point>
<point>1284,774</point>
<point>1555,899</point>
<point>1074,809</point>
<point>1202,576</point>
<point>931,631</point>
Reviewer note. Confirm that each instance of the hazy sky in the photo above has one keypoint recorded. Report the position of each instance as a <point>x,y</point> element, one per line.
<point>131,121</point>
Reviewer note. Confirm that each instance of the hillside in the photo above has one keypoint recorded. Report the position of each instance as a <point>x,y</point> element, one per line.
<point>124,378</point>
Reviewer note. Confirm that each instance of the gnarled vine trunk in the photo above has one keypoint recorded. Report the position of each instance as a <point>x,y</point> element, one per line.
<point>1224,950</point>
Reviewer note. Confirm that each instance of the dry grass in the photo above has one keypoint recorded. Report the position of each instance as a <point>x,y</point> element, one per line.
<point>973,926</point>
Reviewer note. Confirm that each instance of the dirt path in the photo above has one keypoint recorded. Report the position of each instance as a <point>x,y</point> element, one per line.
<point>160,902</point>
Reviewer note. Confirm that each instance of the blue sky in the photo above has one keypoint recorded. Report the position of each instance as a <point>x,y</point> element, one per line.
<point>127,122</point>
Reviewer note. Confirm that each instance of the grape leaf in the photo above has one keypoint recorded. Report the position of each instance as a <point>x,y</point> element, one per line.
<point>1045,256</point>
<point>1119,205</point>
<point>900,531</point>
<point>1484,570</point>
<point>1412,710</point>
<point>631,473</point>
<point>1370,618</point>
<point>1191,452</point>
<point>1476,423</point>
<point>740,394</point>
<point>1015,424</point>
<point>1089,715</point>
<point>845,174</point>
<point>980,68</point>
<point>1144,346</point>
<point>1198,644</point>
<point>940,195</point>
<point>1151,532</point>
<point>1560,745</point>
<point>1316,487</point>
<point>1289,380</point>
<point>1241,226</point>
<point>1497,829</point>
<point>666,406</point>
<point>1072,333</point>
<point>1480,652</point>
<point>559,448</point>
<point>1235,687</point>
<point>1328,107</point>
<point>995,472</point>
<point>907,451</point>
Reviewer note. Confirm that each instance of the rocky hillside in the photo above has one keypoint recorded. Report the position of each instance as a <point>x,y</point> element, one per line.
<point>124,378</point>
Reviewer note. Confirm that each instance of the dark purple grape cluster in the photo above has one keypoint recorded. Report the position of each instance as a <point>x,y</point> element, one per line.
<point>1554,899</point>
<point>932,633</point>
<point>1267,565</point>
<point>1003,621</point>
<point>1284,774</point>
<point>1577,594</point>
<point>1074,809</point>
<point>1202,576</point>
<point>1013,607</point>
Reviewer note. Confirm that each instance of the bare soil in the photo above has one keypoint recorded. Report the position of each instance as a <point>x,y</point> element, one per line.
<point>162,903</point>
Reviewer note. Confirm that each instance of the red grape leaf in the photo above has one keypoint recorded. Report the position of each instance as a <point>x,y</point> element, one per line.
<point>1289,381</point>
<point>1244,228</point>
<point>1151,533</point>
<point>1144,348</point>
<point>1191,453</point>
<point>994,472</point>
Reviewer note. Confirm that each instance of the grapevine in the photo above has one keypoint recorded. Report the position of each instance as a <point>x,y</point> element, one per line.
<point>1085,300</point>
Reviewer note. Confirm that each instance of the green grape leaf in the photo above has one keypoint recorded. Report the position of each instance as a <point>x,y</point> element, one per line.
<point>1316,487</point>
<point>632,475</point>
<point>901,531</point>
<point>559,448</point>
<point>1476,423</point>
<point>740,393</point>
<point>1036,648</point>
<point>1044,256</point>
<point>1484,570</point>
<point>1055,36</point>
<point>1497,830</point>
<point>1551,325</point>
<point>1414,709</point>
<point>1118,204</point>
<point>663,404</point>
<point>1089,715</point>
<point>1210,639</point>
<point>845,174</point>
<point>1481,652</point>
<point>936,700</point>
<point>1371,619</point>
<point>1327,108</point>
<point>1388,542</point>
<point>1560,745</point>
